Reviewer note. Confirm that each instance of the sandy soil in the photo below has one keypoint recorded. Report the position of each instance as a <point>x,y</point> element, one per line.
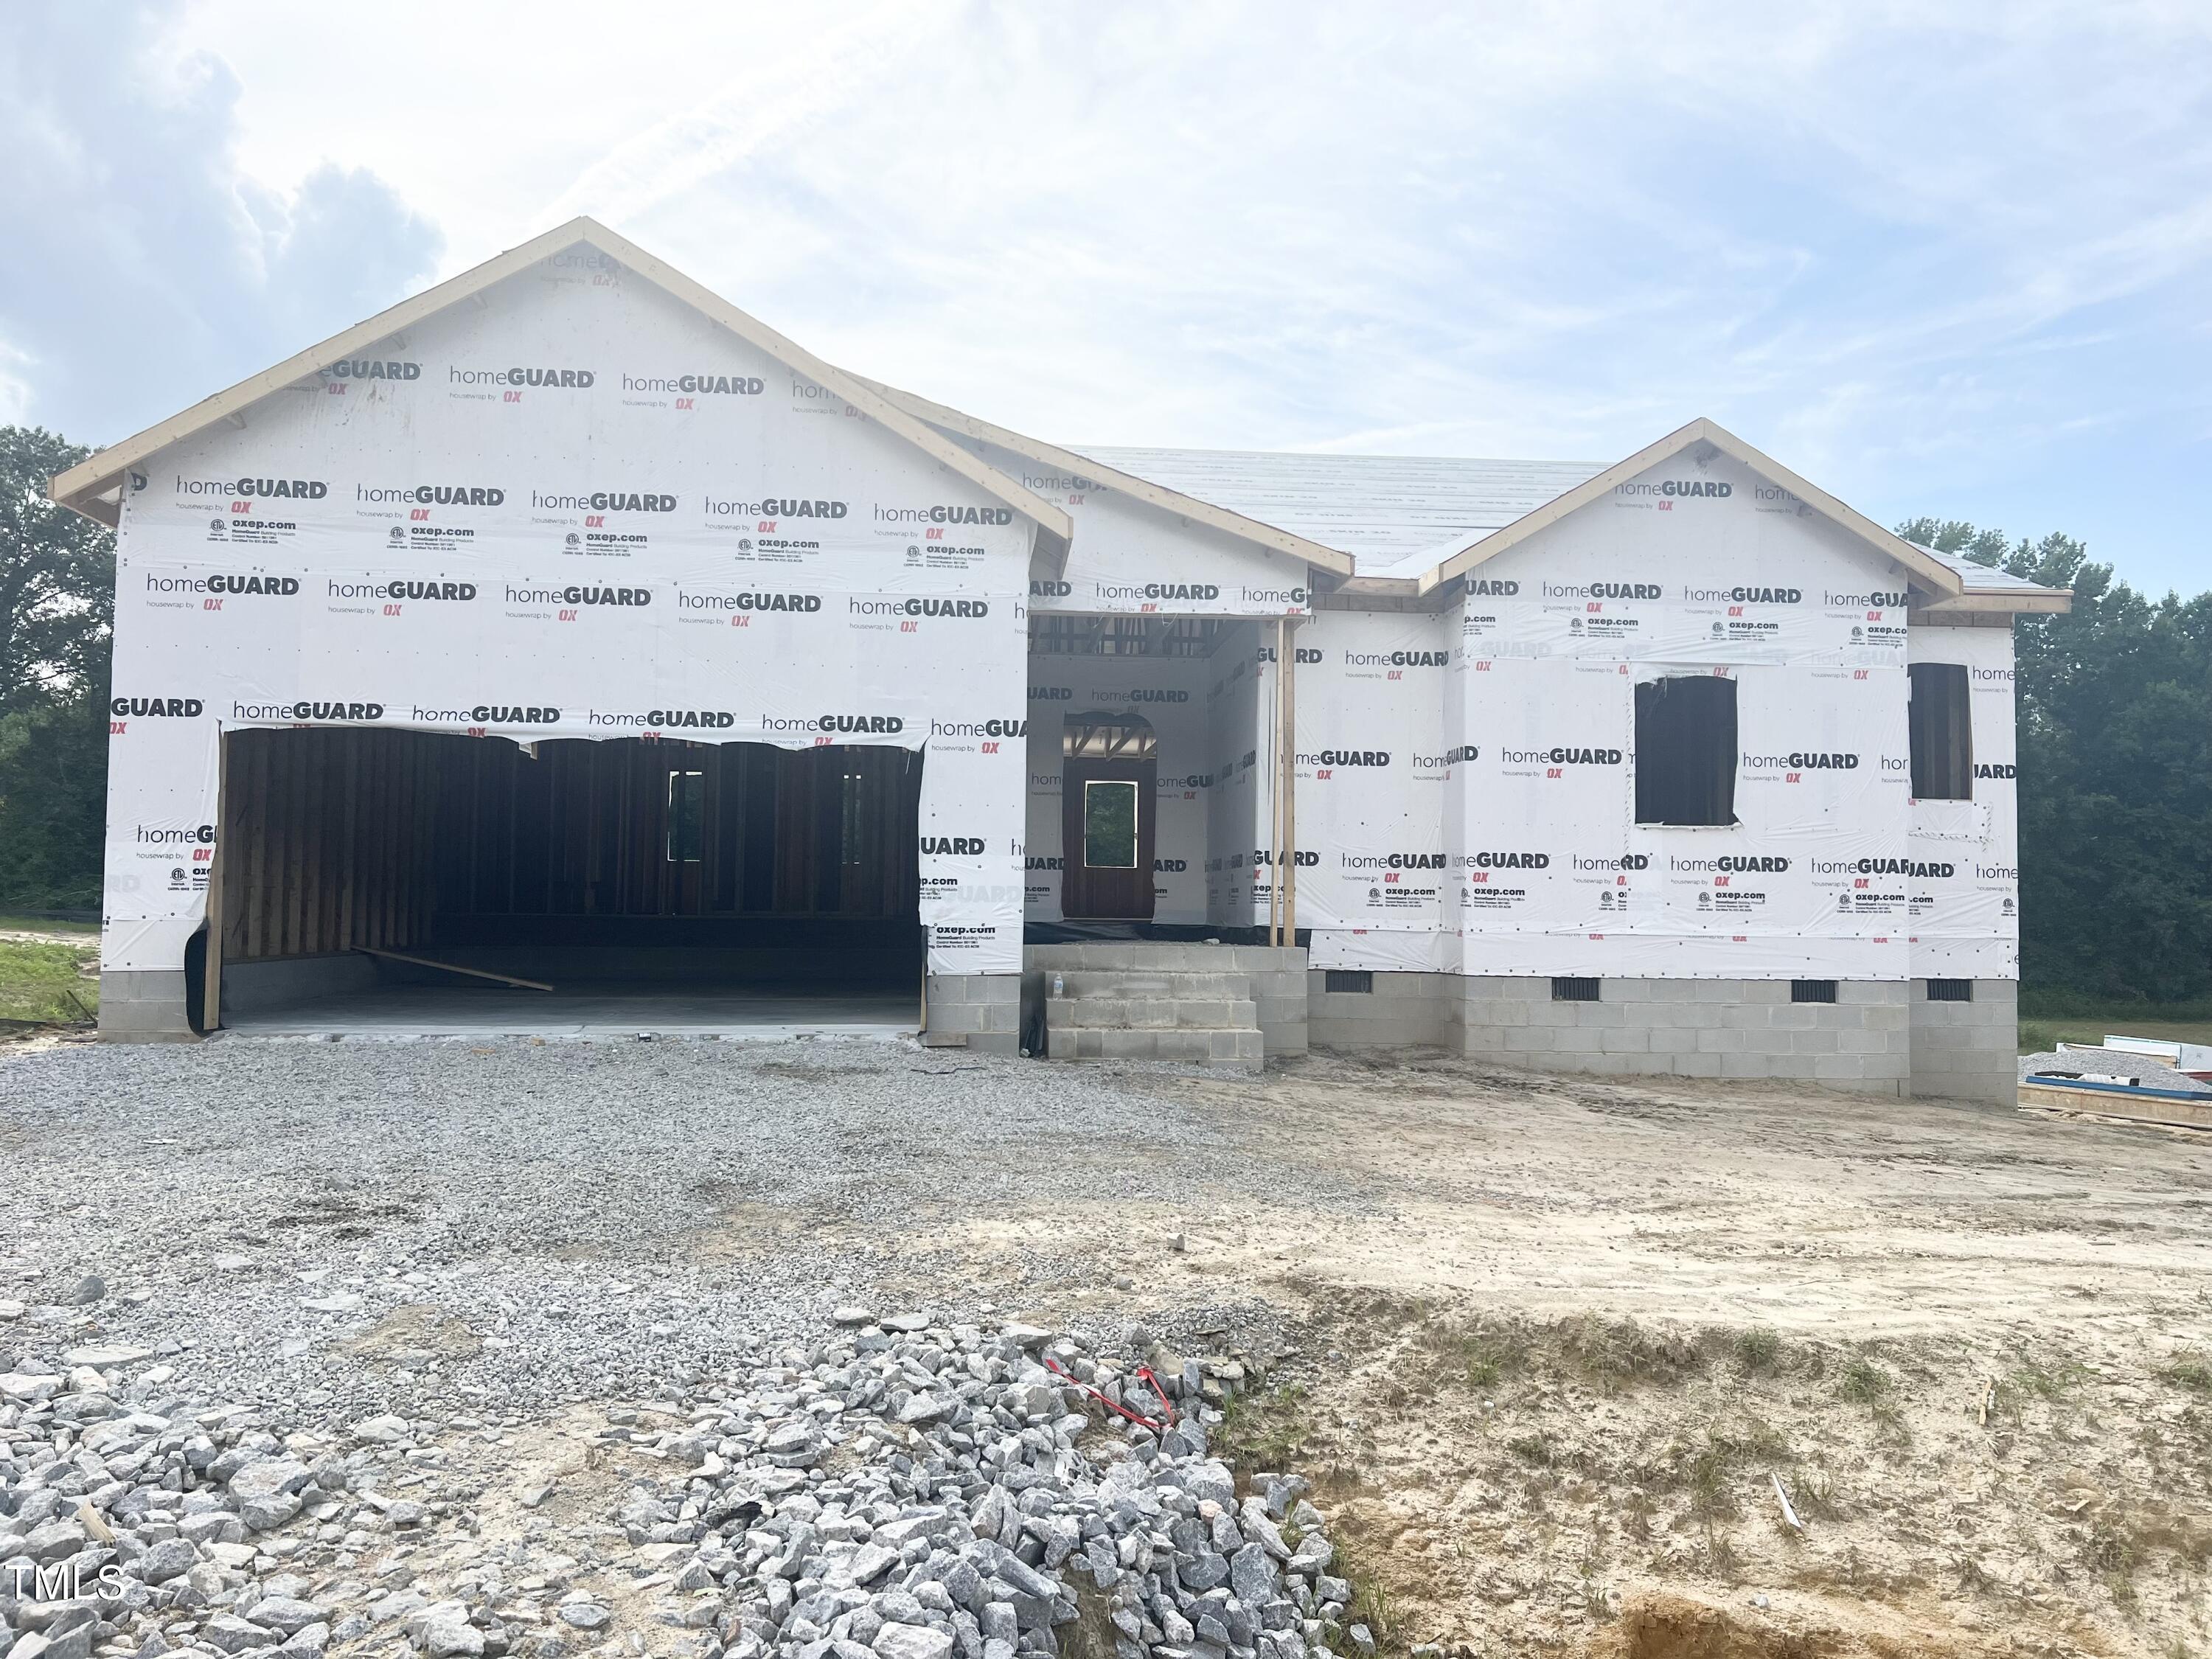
<point>1552,1385</point>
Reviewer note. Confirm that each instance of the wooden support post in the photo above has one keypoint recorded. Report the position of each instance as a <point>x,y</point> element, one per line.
<point>1275,797</point>
<point>1290,724</point>
<point>211,956</point>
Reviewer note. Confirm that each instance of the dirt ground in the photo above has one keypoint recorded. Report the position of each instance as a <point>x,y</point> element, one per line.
<point>1578,1367</point>
<point>1562,1383</point>
<point>1553,1388</point>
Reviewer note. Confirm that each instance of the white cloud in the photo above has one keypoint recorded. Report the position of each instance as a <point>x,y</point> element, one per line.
<point>155,272</point>
<point>1922,250</point>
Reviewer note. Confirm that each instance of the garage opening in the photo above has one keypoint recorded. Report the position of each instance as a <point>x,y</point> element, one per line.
<point>413,882</point>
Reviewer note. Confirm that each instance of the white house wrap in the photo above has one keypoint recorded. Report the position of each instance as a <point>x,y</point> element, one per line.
<point>571,495</point>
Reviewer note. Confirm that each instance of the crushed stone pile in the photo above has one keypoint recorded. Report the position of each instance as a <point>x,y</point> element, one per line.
<point>896,1490</point>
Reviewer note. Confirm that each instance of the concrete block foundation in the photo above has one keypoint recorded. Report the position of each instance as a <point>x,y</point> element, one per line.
<point>975,1010</point>
<point>1399,1010</point>
<point>1724,1028</point>
<point>1968,1050</point>
<point>144,1006</point>
<point>1880,1038</point>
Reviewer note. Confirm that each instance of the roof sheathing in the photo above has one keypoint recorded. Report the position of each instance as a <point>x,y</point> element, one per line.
<point>1273,539</point>
<point>1404,518</point>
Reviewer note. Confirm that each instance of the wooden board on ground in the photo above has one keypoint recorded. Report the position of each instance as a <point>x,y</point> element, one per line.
<point>455,968</point>
<point>2179,1111</point>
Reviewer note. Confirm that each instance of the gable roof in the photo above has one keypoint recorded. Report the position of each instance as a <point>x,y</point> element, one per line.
<point>87,486</point>
<point>1387,511</point>
<point>1939,579</point>
<point>1272,538</point>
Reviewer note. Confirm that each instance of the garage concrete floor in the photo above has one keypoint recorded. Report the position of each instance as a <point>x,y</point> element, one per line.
<point>400,1013</point>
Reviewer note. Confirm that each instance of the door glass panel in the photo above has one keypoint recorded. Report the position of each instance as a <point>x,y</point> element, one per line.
<point>1109,825</point>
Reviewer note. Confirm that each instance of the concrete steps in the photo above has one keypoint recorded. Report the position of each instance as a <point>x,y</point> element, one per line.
<point>1147,1013</point>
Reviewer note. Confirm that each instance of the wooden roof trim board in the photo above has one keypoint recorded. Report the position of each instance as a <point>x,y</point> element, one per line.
<point>85,486</point>
<point>2002,602</point>
<point>1266,536</point>
<point>1940,580</point>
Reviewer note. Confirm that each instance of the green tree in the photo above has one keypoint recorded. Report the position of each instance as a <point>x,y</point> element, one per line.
<point>2115,728</point>
<point>56,616</point>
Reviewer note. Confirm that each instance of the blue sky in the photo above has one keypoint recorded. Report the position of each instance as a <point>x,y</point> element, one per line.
<point>1941,259</point>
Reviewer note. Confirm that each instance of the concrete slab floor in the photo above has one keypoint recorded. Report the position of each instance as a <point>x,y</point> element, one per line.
<point>741,1012</point>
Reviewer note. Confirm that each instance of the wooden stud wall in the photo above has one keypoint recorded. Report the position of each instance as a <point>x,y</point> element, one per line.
<point>323,833</point>
<point>337,839</point>
<point>582,830</point>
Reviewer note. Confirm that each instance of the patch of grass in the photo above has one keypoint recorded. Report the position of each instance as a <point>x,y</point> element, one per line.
<point>1534,1449</point>
<point>1758,1350</point>
<point>42,981</point>
<point>1372,1605</point>
<point>2050,1382</point>
<point>1709,1467</point>
<point>1862,1382</point>
<point>1813,1494</point>
<point>2192,1371</point>
<point>1480,1355</point>
<point>1611,1354</point>
<point>1267,1430</point>
<point>1720,1556</point>
<point>1709,1471</point>
<point>2048,1018</point>
<point>42,924</point>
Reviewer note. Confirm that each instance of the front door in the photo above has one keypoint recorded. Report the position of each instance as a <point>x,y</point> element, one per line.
<point>1109,786</point>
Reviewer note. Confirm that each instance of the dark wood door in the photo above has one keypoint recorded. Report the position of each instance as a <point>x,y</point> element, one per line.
<point>1107,813</point>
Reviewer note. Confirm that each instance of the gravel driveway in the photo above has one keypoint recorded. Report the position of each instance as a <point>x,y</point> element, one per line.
<point>546,1222</point>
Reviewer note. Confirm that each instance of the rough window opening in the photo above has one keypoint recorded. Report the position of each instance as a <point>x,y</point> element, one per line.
<point>687,816</point>
<point>1574,990</point>
<point>1943,732</point>
<point>1356,981</point>
<point>1950,990</point>
<point>1685,749</point>
<point>1812,990</point>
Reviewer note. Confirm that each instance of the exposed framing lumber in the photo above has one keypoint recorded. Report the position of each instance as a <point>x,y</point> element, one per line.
<point>1998,602</point>
<point>455,967</point>
<point>1275,795</point>
<point>211,952</point>
<point>1291,782</point>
